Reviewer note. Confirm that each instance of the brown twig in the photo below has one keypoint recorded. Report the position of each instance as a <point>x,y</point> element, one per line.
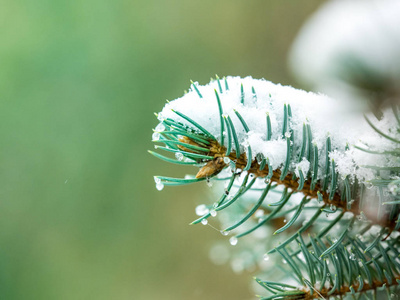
<point>216,165</point>
<point>346,289</point>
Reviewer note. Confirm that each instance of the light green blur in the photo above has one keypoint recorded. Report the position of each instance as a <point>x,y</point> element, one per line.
<point>80,217</point>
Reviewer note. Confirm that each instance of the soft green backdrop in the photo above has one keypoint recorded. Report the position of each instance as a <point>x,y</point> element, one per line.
<point>79,82</point>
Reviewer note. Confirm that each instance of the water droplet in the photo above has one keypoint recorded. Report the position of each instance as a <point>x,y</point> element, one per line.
<point>226,160</point>
<point>284,261</point>
<point>233,240</point>
<point>201,210</point>
<point>225,233</point>
<point>266,256</point>
<point>213,213</point>
<point>179,156</point>
<point>284,221</point>
<point>260,220</point>
<point>352,256</point>
<point>209,183</point>
<point>160,117</point>
<point>155,136</point>
<point>259,213</point>
<point>159,186</point>
<point>267,180</point>
<point>328,274</point>
<point>156,179</point>
<point>160,127</point>
<point>287,134</point>
<point>204,221</point>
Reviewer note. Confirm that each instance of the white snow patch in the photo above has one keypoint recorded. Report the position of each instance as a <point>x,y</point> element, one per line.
<point>304,166</point>
<point>326,117</point>
<point>344,39</point>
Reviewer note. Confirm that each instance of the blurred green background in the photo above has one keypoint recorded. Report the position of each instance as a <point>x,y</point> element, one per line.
<point>80,217</point>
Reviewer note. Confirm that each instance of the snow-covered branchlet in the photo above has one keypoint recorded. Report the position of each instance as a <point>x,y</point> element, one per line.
<point>325,116</point>
<point>308,142</point>
<point>300,166</point>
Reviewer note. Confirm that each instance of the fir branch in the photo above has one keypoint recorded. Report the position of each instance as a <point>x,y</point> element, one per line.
<point>360,259</point>
<point>308,188</point>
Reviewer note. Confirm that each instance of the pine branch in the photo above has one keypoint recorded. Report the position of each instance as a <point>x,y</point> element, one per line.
<point>360,258</point>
